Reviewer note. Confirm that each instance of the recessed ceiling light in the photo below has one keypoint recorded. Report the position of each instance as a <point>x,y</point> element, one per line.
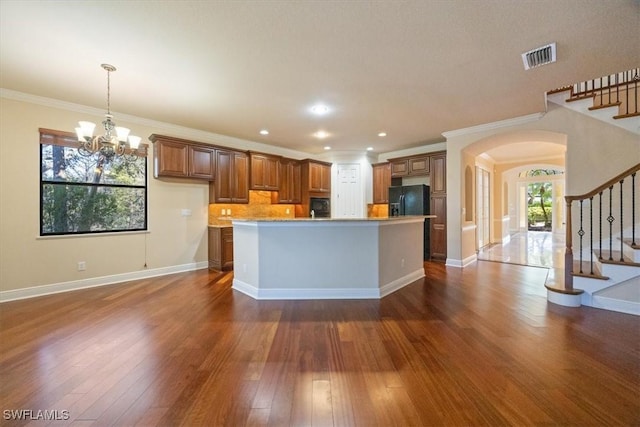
<point>320,109</point>
<point>369,148</point>
<point>326,147</point>
<point>264,132</point>
<point>321,134</point>
<point>382,134</point>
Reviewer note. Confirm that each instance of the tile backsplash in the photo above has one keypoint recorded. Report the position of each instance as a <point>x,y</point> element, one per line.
<point>377,210</point>
<point>259,206</point>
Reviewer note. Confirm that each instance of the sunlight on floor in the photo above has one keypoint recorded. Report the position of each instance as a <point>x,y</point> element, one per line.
<point>534,248</point>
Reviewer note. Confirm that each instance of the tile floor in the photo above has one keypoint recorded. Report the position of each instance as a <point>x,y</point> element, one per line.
<point>533,248</point>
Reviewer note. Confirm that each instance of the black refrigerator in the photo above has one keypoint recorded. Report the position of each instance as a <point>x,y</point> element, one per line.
<point>412,200</point>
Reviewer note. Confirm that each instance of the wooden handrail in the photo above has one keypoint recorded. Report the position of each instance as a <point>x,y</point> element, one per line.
<point>604,186</point>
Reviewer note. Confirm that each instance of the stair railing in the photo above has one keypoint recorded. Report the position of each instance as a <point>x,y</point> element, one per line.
<point>612,201</point>
<point>615,89</point>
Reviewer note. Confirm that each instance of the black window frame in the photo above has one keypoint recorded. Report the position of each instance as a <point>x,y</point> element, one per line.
<point>67,139</point>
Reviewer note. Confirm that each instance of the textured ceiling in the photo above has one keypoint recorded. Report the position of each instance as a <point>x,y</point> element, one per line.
<point>413,69</point>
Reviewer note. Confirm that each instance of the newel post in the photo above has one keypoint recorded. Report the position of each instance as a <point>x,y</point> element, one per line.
<point>568,254</point>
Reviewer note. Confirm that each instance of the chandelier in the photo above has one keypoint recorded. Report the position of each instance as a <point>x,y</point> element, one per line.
<point>114,141</point>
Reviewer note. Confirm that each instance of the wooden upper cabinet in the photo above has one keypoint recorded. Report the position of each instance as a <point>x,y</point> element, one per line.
<point>232,177</point>
<point>265,172</point>
<point>399,167</point>
<point>381,182</point>
<point>319,176</point>
<point>201,162</point>
<point>419,165</point>
<point>170,159</point>
<point>241,177</point>
<point>290,181</point>
<point>410,166</point>
<point>438,178</point>
<point>174,157</point>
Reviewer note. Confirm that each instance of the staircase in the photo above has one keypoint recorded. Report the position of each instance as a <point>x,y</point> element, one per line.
<point>602,257</point>
<point>614,99</point>
<point>623,297</point>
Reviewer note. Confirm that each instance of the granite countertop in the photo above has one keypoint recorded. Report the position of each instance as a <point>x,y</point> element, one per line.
<point>394,218</point>
<point>227,222</point>
<point>223,222</point>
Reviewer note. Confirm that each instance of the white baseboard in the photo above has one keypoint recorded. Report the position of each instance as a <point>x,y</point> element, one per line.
<point>461,263</point>
<point>56,288</point>
<point>401,282</point>
<point>326,293</point>
<point>621,306</point>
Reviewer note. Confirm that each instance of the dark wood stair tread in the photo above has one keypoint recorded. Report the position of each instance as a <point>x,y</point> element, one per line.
<point>601,106</point>
<point>626,116</point>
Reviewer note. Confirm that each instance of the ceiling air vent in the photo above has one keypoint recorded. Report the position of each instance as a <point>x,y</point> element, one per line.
<point>540,56</point>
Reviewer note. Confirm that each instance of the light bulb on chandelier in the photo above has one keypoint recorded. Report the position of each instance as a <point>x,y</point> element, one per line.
<point>114,141</point>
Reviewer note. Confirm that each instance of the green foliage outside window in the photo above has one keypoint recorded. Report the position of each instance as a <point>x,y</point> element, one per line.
<point>539,209</point>
<point>91,194</point>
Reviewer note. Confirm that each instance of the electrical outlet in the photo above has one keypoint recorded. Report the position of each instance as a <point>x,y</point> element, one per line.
<point>224,212</point>
<point>402,263</point>
<point>82,265</point>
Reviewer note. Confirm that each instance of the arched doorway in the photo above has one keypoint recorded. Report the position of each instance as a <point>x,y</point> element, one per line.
<point>508,194</point>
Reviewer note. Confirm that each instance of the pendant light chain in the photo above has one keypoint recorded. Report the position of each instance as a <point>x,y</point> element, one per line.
<point>108,91</point>
<point>116,141</point>
<point>109,68</point>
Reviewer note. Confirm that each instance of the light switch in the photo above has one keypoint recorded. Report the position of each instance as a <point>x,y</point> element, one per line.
<point>186,212</point>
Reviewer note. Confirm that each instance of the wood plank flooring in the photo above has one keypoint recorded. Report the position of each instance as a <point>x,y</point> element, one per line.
<point>478,346</point>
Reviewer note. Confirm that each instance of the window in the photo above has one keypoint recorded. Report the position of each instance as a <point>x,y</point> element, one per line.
<point>80,195</point>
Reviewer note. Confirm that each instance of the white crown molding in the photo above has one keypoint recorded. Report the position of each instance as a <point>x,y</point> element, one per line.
<point>174,130</point>
<point>424,149</point>
<point>494,125</point>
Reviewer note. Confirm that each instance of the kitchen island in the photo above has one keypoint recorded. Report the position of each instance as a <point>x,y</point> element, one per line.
<point>327,258</point>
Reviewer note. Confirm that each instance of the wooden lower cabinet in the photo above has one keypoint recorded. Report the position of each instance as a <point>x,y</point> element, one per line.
<point>438,235</point>
<point>221,248</point>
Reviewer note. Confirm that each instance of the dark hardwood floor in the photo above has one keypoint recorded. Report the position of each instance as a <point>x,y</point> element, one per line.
<point>478,346</point>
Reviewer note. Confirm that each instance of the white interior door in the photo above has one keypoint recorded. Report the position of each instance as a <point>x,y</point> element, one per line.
<point>349,196</point>
<point>483,218</point>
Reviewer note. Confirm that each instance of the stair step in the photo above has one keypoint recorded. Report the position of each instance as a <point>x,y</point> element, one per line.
<point>618,258</point>
<point>555,282</point>
<point>586,270</point>
<point>573,98</point>
<point>623,297</point>
<point>626,116</point>
<point>599,107</point>
<point>628,290</point>
<point>629,242</point>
